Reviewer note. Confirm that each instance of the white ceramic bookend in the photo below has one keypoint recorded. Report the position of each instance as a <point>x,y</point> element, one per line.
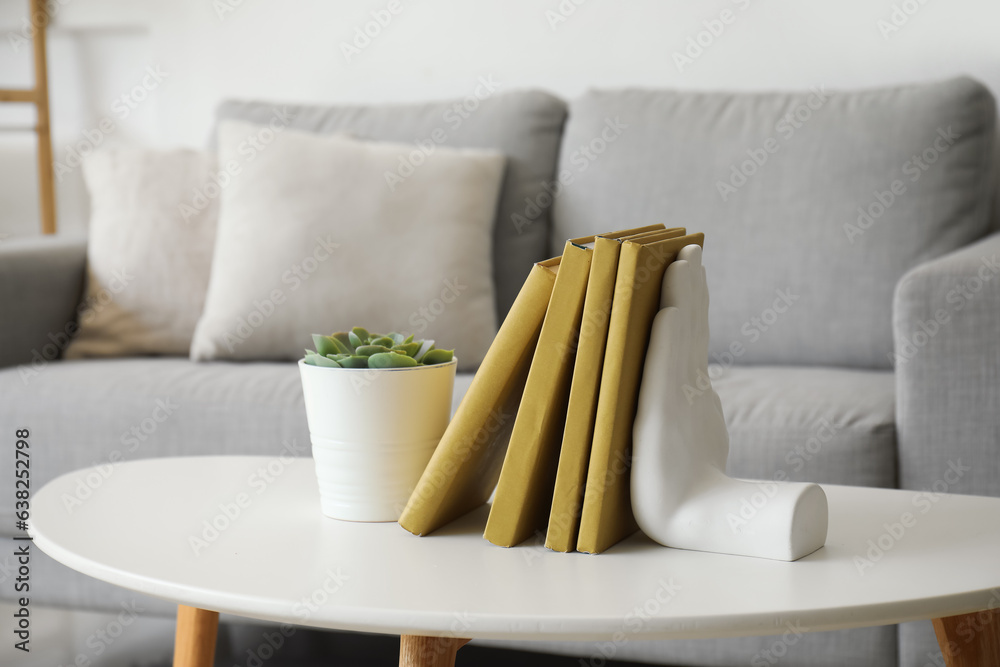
<point>681,495</point>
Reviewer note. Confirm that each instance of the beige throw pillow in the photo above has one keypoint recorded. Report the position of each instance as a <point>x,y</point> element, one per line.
<point>149,251</point>
<point>318,233</point>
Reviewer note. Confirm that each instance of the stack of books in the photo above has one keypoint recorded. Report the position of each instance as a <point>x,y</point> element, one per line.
<point>547,420</point>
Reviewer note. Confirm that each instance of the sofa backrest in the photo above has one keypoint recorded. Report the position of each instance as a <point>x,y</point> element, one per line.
<point>814,203</point>
<point>525,125</point>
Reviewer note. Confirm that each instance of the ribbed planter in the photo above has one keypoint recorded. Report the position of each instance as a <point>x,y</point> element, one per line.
<point>373,432</point>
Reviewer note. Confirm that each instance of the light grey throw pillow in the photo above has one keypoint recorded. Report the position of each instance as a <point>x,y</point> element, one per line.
<point>813,203</point>
<point>149,251</point>
<point>317,235</point>
<point>524,125</point>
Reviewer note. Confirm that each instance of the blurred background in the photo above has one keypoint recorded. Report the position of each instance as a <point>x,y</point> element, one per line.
<point>305,51</point>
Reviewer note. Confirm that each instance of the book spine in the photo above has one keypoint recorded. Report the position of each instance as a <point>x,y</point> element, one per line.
<point>524,492</point>
<point>574,453</point>
<point>465,466</point>
<point>608,398</point>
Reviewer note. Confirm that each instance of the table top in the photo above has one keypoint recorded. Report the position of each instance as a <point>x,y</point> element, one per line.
<point>891,556</point>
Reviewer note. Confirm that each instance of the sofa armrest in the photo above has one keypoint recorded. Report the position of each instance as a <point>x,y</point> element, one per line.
<point>41,282</point>
<point>946,327</point>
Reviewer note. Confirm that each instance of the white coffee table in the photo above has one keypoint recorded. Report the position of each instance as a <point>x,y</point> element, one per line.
<point>273,556</point>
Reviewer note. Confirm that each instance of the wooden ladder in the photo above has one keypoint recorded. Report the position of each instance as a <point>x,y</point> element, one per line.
<point>39,96</point>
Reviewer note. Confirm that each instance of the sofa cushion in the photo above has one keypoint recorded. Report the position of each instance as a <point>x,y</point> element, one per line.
<point>824,425</point>
<point>824,198</point>
<point>149,252</point>
<point>805,424</point>
<point>523,125</point>
<point>865,647</point>
<point>413,255</point>
<point>84,413</point>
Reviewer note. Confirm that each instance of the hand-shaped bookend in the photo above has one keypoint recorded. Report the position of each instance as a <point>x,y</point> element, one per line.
<point>681,496</point>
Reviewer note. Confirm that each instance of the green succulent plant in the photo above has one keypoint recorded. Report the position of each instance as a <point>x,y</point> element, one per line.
<point>360,349</point>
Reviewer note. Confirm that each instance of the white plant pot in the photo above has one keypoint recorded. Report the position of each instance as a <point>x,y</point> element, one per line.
<point>373,432</point>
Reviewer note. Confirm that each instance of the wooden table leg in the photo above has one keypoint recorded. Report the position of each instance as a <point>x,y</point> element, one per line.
<point>417,651</point>
<point>970,640</point>
<point>194,643</point>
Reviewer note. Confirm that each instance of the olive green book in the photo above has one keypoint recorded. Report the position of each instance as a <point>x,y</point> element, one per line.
<point>465,466</point>
<point>524,492</point>
<point>606,516</point>
<point>574,452</point>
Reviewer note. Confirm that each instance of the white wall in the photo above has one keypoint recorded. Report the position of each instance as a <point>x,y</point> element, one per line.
<point>291,50</point>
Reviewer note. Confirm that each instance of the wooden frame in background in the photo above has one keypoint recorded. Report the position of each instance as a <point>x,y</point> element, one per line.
<point>39,96</point>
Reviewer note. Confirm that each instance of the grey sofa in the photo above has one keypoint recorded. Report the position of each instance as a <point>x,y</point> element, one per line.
<point>854,323</point>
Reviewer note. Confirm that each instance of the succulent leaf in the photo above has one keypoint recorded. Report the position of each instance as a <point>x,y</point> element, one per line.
<point>437,357</point>
<point>425,346</point>
<point>325,344</point>
<point>360,349</point>
<point>345,339</point>
<point>369,350</point>
<point>354,362</point>
<point>326,362</point>
<point>390,360</point>
<point>409,349</point>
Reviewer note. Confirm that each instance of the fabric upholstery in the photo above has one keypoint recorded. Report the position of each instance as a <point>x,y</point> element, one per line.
<point>526,126</point>
<point>806,424</point>
<point>314,238</point>
<point>41,280</point>
<point>776,181</point>
<point>84,413</point>
<point>946,318</point>
<point>230,408</point>
<point>865,647</point>
<point>149,251</point>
